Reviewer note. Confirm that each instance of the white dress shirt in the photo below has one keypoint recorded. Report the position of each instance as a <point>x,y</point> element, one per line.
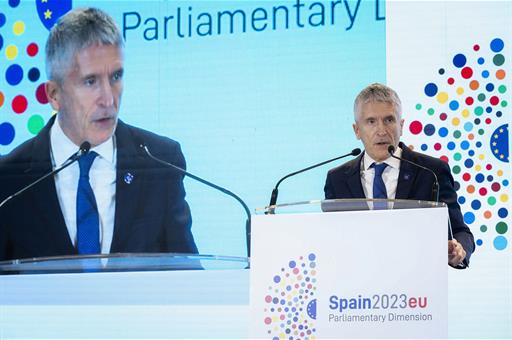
<point>102,178</point>
<point>389,176</point>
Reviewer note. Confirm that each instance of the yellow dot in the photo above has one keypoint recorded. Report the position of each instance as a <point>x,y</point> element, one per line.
<point>455,121</point>
<point>11,52</point>
<point>18,28</point>
<point>478,167</point>
<point>504,197</point>
<point>460,90</point>
<point>500,173</point>
<point>465,113</point>
<point>481,157</point>
<point>442,97</point>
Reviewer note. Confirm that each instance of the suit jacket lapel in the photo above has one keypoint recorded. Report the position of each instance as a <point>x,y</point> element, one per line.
<point>354,178</point>
<point>408,173</point>
<point>129,182</point>
<point>46,201</point>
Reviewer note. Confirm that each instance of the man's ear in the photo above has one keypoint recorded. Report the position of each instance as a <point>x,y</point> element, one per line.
<point>53,94</point>
<point>356,130</point>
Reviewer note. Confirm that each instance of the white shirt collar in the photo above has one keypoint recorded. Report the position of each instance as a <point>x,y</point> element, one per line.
<point>390,161</point>
<point>62,147</point>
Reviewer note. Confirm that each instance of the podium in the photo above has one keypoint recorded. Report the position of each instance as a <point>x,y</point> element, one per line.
<point>124,296</point>
<point>345,269</point>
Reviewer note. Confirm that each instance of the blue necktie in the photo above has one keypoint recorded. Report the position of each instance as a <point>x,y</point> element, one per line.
<point>87,218</point>
<point>379,188</point>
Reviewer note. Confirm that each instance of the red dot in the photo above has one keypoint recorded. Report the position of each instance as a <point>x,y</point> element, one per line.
<point>476,47</point>
<point>41,94</point>
<point>469,101</point>
<point>415,127</point>
<point>443,116</point>
<point>488,121</point>
<point>488,166</point>
<point>19,104</point>
<point>451,81</point>
<point>495,186</point>
<point>444,159</point>
<point>466,72</point>
<point>32,49</point>
<point>466,177</point>
<point>494,100</point>
<point>483,191</point>
<point>437,146</point>
<point>268,321</point>
<point>268,298</point>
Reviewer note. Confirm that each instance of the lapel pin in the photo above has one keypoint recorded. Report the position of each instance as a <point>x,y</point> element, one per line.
<point>128,178</point>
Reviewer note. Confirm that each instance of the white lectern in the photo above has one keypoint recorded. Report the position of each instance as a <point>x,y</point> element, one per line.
<point>341,269</point>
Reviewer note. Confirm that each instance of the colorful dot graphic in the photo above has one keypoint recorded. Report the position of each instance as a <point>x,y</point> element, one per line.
<point>290,303</point>
<point>472,135</point>
<point>23,99</point>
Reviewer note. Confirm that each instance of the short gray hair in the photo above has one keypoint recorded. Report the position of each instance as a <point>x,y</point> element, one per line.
<point>75,31</point>
<point>377,92</point>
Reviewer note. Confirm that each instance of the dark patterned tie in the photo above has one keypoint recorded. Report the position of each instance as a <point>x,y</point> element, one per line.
<point>87,218</point>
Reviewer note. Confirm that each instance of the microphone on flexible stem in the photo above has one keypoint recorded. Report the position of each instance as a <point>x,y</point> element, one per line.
<point>210,184</point>
<point>435,186</point>
<point>275,191</point>
<point>83,149</point>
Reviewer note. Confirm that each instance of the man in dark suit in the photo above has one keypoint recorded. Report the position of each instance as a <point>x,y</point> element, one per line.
<point>374,174</point>
<point>115,198</point>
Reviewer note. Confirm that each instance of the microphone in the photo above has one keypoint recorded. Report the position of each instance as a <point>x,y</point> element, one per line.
<point>82,150</point>
<point>275,192</point>
<point>212,185</point>
<point>435,186</point>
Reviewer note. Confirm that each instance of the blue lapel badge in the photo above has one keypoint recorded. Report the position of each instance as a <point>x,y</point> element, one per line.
<point>128,178</point>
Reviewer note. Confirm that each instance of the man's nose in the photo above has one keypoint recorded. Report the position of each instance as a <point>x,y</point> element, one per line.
<point>106,94</point>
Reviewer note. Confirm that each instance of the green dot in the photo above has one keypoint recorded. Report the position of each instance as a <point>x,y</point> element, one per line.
<point>481,97</point>
<point>456,134</point>
<point>418,106</point>
<point>491,200</point>
<point>502,89</point>
<point>501,228</point>
<point>457,156</point>
<point>483,228</point>
<point>504,103</point>
<point>431,111</point>
<point>498,59</point>
<point>481,132</point>
<point>479,110</point>
<point>35,124</point>
<point>456,169</point>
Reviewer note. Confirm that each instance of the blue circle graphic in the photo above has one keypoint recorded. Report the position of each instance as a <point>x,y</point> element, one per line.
<point>503,212</point>
<point>429,129</point>
<point>499,143</point>
<point>443,132</point>
<point>475,204</point>
<point>14,3</point>
<point>490,178</point>
<point>481,60</point>
<point>431,89</point>
<point>450,145</point>
<point>497,45</point>
<point>2,19</point>
<point>479,242</point>
<point>459,60</point>
<point>462,199</point>
<point>468,126</point>
<point>311,257</point>
<point>424,147</point>
<point>292,264</point>
<point>505,182</point>
<point>1,41</point>
<point>489,87</point>
<point>500,242</point>
<point>6,133</point>
<point>485,74</point>
<point>14,74</point>
<point>479,178</point>
<point>464,145</point>
<point>468,163</point>
<point>454,105</point>
<point>469,217</point>
<point>34,74</point>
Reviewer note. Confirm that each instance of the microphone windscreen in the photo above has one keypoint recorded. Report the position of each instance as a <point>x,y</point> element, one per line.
<point>356,152</point>
<point>391,149</point>
<point>85,147</point>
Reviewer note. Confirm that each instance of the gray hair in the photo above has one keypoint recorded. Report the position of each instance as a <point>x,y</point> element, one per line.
<point>75,31</point>
<point>377,92</point>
